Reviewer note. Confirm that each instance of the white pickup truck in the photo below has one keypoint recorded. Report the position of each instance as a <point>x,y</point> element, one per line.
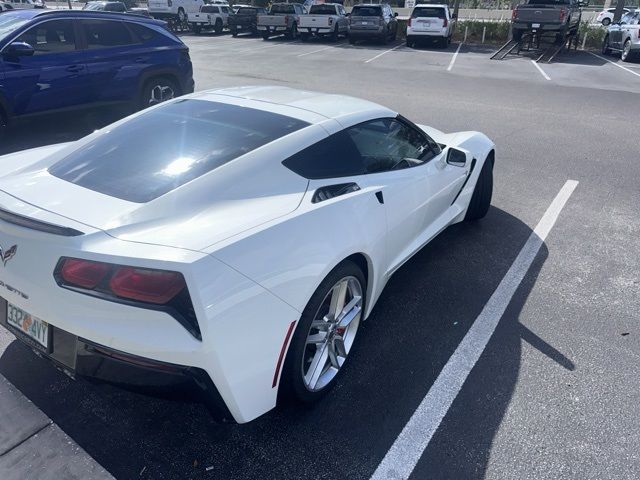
<point>325,19</point>
<point>210,17</point>
<point>283,18</point>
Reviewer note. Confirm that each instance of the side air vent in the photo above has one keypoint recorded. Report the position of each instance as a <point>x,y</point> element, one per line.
<point>332,191</point>
<point>41,226</point>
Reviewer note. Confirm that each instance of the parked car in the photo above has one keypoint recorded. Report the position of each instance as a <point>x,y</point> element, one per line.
<point>245,20</point>
<point>325,19</point>
<point>561,17</point>
<point>283,18</point>
<point>430,22</point>
<point>26,4</point>
<point>372,22</point>
<point>118,7</point>
<point>624,37</point>
<point>238,6</point>
<point>211,17</point>
<point>269,303</point>
<point>5,7</point>
<point>606,16</point>
<point>179,9</point>
<point>86,58</point>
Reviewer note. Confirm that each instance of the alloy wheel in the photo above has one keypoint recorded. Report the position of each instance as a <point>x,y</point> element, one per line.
<point>332,333</point>
<point>160,93</point>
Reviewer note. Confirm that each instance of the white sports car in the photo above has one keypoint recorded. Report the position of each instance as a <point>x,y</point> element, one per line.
<point>233,239</point>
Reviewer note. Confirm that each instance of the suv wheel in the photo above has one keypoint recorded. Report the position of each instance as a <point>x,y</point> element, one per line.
<point>605,46</point>
<point>4,124</point>
<point>158,90</point>
<point>182,16</point>
<point>626,54</point>
<point>606,21</point>
<point>218,26</point>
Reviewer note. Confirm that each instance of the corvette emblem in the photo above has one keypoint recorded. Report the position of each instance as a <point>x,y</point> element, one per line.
<point>8,255</point>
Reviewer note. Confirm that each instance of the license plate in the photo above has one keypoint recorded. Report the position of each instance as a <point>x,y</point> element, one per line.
<point>29,325</point>
<point>426,23</point>
<point>365,23</point>
<point>535,25</point>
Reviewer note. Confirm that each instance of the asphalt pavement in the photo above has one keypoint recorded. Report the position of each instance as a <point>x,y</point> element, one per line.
<point>553,395</point>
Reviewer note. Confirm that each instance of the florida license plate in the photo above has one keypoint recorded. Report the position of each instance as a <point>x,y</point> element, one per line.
<point>535,25</point>
<point>32,327</point>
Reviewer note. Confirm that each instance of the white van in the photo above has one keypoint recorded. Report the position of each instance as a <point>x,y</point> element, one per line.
<point>21,4</point>
<point>183,9</point>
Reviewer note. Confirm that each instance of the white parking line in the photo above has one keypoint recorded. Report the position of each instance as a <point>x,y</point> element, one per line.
<point>614,63</point>
<point>453,59</point>
<point>380,54</point>
<point>535,64</point>
<point>405,452</point>
<point>251,50</point>
<point>315,51</point>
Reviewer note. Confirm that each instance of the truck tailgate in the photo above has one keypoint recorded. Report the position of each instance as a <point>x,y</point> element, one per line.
<point>314,21</point>
<point>272,20</point>
<point>539,14</point>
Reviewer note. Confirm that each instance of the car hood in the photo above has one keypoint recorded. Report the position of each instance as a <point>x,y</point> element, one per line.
<point>192,218</point>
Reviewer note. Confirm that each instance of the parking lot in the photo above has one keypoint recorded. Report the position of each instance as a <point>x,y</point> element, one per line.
<point>555,392</point>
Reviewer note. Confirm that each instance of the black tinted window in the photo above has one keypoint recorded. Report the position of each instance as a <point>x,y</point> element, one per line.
<point>427,12</point>
<point>56,36</point>
<point>322,10</point>
<point>282,8</point>
<point>106,33</point>
<point>371,147</point>
<point>247,11</point>
<point>164,148</point>
<point>366,11</point>
<point>209,9</point>
<point>143,33</point>
<point>115,7</point>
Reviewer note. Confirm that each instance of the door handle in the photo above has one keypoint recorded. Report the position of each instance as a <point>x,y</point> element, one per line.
<point>74,68</point>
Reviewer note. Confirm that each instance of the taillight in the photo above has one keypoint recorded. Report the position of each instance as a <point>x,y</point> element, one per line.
<point>514,14</point>
<point>83,273</point>
<point>381,20</point>
<point>409,22</point>
<point>445,22</point>
<point>141,284</point>
<point>151,286</point>
<point>563,13</point>
<point>638,33</point>
<point>286,19</point>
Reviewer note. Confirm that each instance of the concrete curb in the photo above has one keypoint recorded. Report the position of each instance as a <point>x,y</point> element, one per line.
<point>33,447</point>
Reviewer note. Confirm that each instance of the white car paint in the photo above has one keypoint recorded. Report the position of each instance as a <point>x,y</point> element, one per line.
<point>249,242</point>
<point>606,16</point>
<point>420,25</point>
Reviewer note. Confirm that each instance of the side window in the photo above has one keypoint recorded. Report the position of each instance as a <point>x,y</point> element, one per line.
<point>225,10</point>
<point>143,33</point>
<point>106,33</point>
<point>56,36</point>
<point>388,144</point>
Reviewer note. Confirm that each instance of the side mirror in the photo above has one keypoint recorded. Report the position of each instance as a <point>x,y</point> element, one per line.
<point>348,14</point>
<point>19,49</point>
<point>395,14</point>
<point>456,157</point>
<point>454,16</point>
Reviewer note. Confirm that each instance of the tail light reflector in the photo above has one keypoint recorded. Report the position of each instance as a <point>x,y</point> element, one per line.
<point>563,13</point>
<point>151,286</point>
<point>445,22</point>
<point>84,273</point>
<point>409,23</point>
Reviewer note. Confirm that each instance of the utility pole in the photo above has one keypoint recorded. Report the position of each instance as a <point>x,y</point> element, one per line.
<point>617,15</point>
<point>69,2</point>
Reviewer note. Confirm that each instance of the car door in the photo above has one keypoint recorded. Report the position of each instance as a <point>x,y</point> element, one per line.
<point>416,184</point>
<point>114,59</point>
<point>54,77</point>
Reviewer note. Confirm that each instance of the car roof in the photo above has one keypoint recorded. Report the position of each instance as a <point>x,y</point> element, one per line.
<point>312,107</point>
<point>441,5</point>
<point>91,14</point>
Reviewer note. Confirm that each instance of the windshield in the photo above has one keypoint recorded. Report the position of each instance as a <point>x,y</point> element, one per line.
<point>11,21</point>
<point>282,9</point>
<point>548,2</point>
<point>428,12</point>
<point>366,11</point>
<point>164,148</point>
<point>322,10</point>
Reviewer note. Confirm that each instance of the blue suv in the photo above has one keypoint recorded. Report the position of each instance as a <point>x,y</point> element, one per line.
<point>60,60</point>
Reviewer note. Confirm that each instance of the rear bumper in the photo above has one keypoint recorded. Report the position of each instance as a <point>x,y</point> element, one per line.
<point>319,30</point>
<point>546,27</point>
<point>433,33</point>
<point>78,357</point>
<point>272,29</point>
<point>369,33</point>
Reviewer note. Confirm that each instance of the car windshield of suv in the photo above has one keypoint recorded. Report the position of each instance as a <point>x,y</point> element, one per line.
<point>428,12</point>
<point>322,10</point>
<point>282,9</point>
<point>366,11</point>
<point>11,21</point>
<point>189,139</point>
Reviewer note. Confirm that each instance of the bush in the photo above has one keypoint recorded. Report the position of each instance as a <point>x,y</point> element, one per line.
<point>594,33</point>
<point>496,32</point>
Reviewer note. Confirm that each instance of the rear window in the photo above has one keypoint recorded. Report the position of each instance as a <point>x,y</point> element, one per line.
<point>167,147</point>
<point>366,11</point>
<point>428,12</point>
<point>282,9</point>
<point>209,9</point>
<point>246,11</point>
<point>322,10</point>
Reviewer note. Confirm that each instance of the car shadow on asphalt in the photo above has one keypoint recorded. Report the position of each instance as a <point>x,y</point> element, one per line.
<point>421,317</point>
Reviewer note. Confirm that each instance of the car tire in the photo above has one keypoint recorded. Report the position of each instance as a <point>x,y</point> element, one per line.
<point>265,36</point>
<point>293,33</point>
<point>411,43</point>
<point>516,35</point>
<point>605,46</point>
<point>218,26</point>
<point>182,16</point>
<point>335,36</point>
<point>352,41</point>
<point>234,32</point>
<point>4,124</point>
<point>197,29</point>
<point>157,90</point>
<point>481,198</point>
<point>297,381</point>
<point>304,37</point>
<point>626,55</point>
<point>606,22</point>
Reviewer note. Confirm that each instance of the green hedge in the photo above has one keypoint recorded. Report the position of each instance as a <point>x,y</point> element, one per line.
<point>496,32</point>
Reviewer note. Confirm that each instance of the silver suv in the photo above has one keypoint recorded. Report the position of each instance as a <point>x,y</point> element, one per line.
<point>624,37</point>
<point>372,21</point>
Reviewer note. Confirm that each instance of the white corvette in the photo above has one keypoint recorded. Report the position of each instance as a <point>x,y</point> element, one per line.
<point>231,239</point>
